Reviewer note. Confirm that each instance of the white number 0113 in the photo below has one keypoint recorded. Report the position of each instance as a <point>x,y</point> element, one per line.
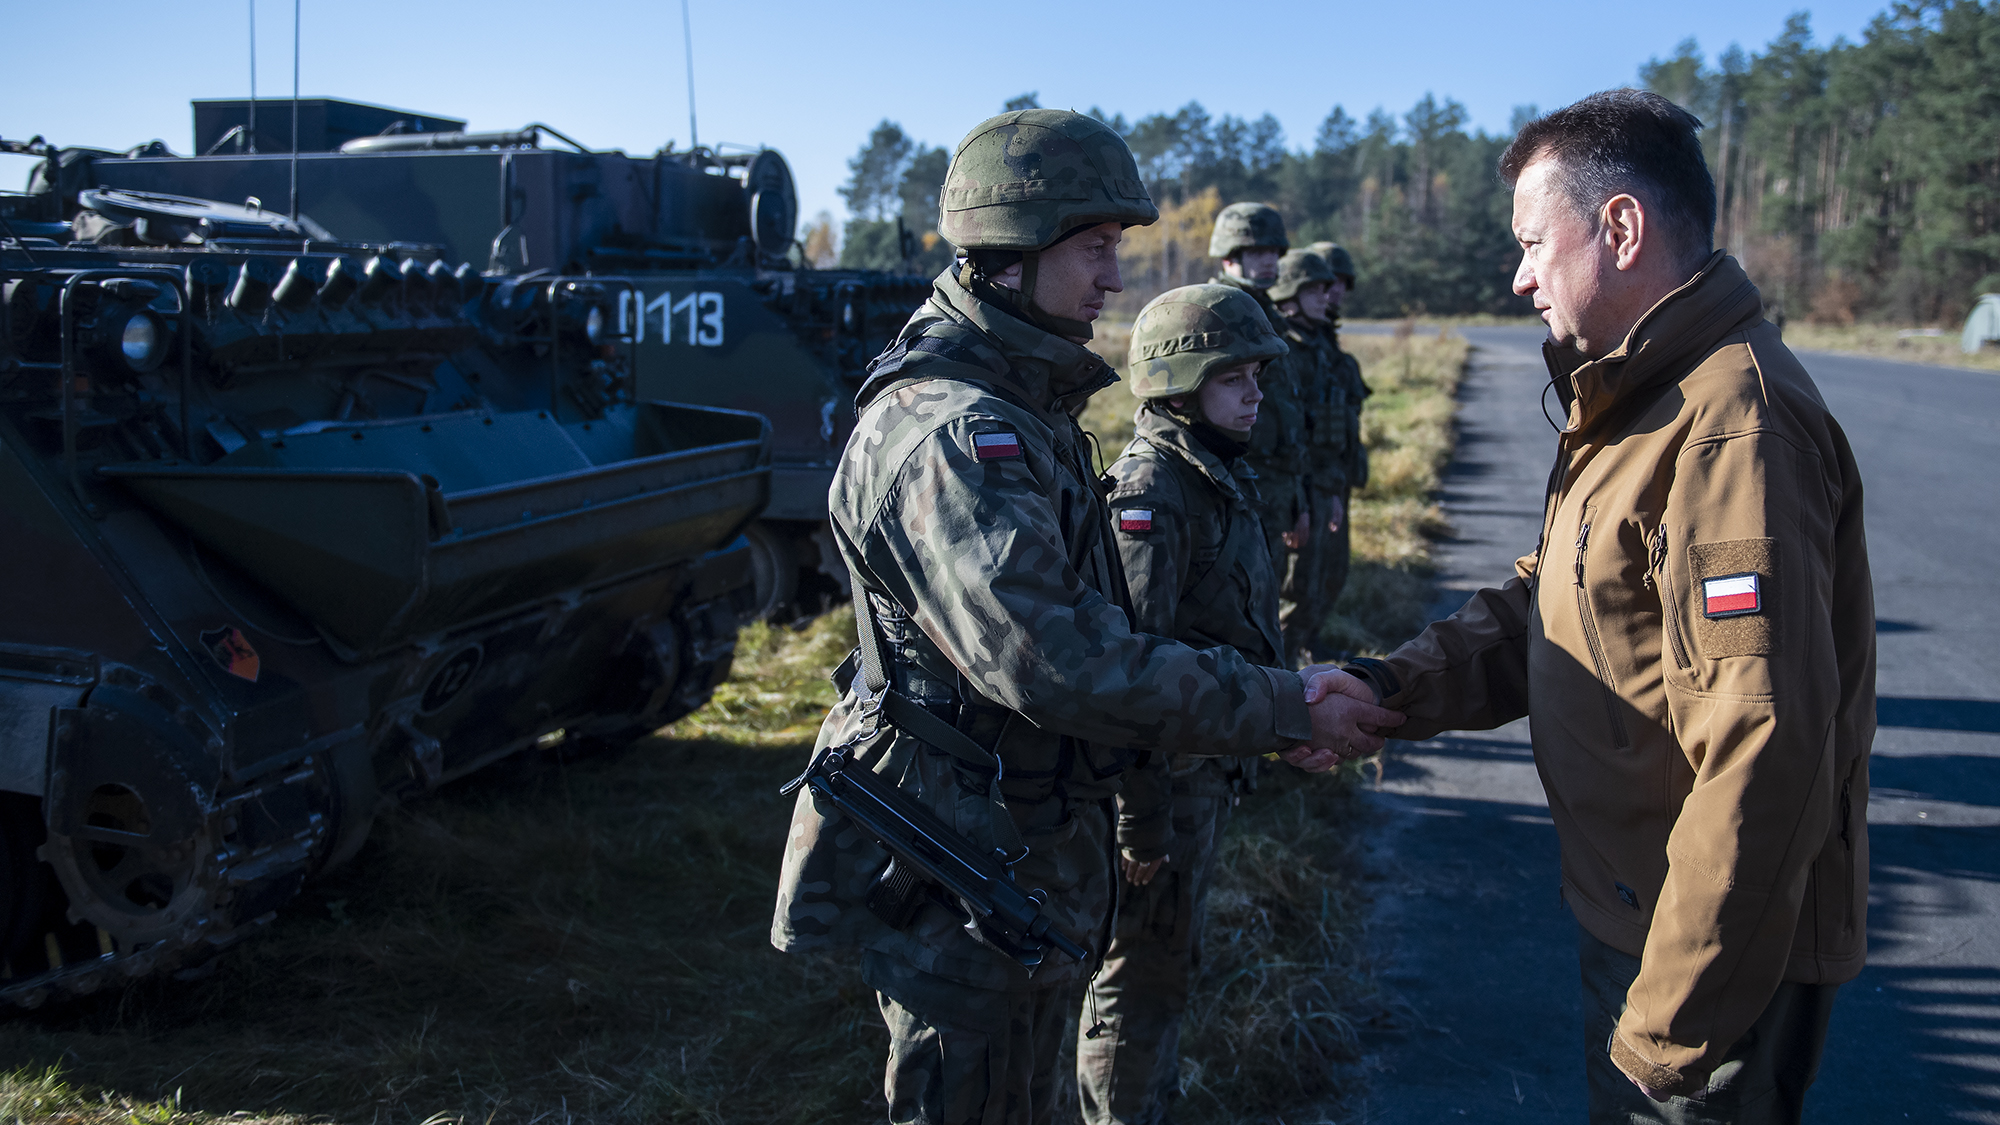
<point>699,313</point>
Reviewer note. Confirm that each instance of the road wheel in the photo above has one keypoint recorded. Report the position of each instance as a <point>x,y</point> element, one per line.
<point>774,569</point>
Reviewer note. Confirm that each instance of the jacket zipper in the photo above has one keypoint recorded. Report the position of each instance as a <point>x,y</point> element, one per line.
<point>1590,636</point>
<point>1670,608</point>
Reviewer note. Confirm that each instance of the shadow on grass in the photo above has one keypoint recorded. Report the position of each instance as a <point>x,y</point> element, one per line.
<point>549,940</point>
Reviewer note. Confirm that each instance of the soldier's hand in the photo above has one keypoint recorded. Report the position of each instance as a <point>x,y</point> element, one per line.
<point>1139,874</point>
<point>1300,532</point>
<point>1346,721</point>
<point>1337,516</point>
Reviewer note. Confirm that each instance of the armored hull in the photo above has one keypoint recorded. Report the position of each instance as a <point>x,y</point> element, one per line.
<point>722,311</point>
<point>300,527</point>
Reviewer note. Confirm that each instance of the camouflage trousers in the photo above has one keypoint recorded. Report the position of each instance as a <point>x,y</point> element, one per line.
<point>1762,1080</point>
<point>961,1055</point>
<point>1130,1074</point>
<point>1336,555</point>
<point>1312,577</point>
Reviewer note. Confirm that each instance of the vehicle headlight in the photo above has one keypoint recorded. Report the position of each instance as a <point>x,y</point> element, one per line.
<point>593,325</point>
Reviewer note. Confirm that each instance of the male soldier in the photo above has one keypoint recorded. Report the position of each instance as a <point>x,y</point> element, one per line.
<point>1693,638</point>
<point>1000,681</point>
<point>1199,570</point>
<point>1300,296</point>
<point>1248,240</point>
<point>1334,569</point>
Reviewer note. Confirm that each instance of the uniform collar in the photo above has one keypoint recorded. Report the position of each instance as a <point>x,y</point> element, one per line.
<point>1169,434</point>
<point>1662,346</point>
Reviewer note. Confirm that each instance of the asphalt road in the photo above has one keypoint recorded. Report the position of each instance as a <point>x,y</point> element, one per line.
<point>1472,939</point>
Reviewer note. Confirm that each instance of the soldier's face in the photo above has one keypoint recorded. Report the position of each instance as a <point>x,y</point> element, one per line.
<point>1077,272</point>
<point>1336,293</point>
<point>1257,265</point>
<point>1564,263</point>
<point>1228,399</point>
<point>1313,300</point>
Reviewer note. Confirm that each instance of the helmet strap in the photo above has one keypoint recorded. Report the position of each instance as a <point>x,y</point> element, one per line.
<point>1022,301</point>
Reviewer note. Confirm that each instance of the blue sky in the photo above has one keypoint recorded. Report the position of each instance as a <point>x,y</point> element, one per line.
<point>811,78</point>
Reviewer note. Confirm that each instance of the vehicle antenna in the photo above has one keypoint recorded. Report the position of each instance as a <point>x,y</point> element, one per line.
<point>295,111</point>
<point>687,38</point>
<point>253,76</point>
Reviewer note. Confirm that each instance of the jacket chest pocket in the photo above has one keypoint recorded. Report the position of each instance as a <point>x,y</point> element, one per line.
<point>1593,636</point>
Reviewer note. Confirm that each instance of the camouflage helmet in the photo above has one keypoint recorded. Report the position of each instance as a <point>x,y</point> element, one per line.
<point>1022,180</point>
<point>1337,259</point>
<point>1296,270</point>
<point>1243,225</point>
<point>1183,334</point>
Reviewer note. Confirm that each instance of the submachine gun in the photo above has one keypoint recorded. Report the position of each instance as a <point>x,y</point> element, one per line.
<point>931,859</point>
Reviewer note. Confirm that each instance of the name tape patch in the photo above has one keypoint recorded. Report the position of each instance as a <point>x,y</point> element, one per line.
<point>1731,595</point>
<point>995,446</point>
<point>1135,519</point>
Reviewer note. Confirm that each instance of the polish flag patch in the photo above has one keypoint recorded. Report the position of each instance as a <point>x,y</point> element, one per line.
<point>995,446</point>
<point>1135,519</point>
<point>1731,595</point>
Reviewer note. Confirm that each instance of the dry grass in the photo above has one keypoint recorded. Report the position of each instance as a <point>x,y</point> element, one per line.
<point>1889,342</point>
<point>550,941</point>
<point>1408,427</point>
<point>565,940</point>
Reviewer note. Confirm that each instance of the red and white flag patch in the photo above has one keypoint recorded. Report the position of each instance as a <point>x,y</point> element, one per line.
<point>1135,519</point>
<point>1731,595</point>
<point>995,446</point>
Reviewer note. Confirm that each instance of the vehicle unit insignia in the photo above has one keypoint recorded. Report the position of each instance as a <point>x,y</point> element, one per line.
<point>231,649</point>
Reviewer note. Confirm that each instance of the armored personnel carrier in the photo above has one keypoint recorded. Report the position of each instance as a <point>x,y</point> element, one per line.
<point>720,310</point>
<point>298,526</point>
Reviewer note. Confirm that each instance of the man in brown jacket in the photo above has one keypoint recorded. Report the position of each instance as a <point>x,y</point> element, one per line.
<point>1693,637</point>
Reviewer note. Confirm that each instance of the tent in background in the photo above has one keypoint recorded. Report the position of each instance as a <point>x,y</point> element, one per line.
<point>1983,325</point>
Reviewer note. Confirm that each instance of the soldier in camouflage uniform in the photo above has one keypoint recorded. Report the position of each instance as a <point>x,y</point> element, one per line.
<point>1334,570</point>
<point>976,535</point>
<point>1183,506</point>
<point>1249,239</point>
<point>1300,295</point>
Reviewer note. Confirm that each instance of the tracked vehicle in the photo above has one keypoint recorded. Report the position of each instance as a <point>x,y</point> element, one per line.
<point>721,310</point>
<point>296,527</point>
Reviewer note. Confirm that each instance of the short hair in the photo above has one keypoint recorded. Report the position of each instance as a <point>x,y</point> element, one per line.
<point>1629,141</point>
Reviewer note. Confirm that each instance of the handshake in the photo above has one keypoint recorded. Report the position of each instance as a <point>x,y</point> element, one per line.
<point>1346,721</point>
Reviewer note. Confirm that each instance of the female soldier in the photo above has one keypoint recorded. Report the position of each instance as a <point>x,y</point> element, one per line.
<point>1183,504</point>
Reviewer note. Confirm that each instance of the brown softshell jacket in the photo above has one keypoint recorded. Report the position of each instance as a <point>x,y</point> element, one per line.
<point>1707,773</point>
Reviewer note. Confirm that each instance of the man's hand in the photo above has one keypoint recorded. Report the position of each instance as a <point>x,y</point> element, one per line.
<point>1346,721</point>
<point>1139,874</point>
<point>1337,515</point>
<point>1300,532</point>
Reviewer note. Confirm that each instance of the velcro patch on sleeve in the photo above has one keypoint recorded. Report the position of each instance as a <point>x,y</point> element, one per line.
<point>997,446</point>
<point>1731,595</point>
<point>1135,519</point>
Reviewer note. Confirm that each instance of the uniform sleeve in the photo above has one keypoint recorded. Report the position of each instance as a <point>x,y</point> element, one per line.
<point>1150,528</point>
<point>974,548</point>
<point>1357,449</point>
<point>1469,671</point>
<point>1753,688</point>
